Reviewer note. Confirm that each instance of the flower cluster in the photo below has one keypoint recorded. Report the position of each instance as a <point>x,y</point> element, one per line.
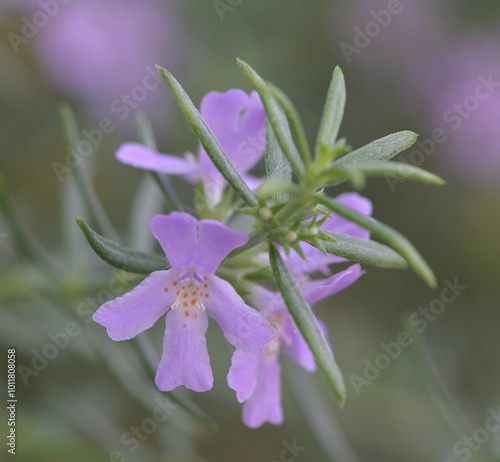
<point>190,289</point>
<point>298,233</point>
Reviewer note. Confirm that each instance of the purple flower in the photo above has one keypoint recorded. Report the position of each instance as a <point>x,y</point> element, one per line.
<point>465,102</point>
<point>104,52</point>
<point>256,377</point>
<point>317,260</point>
<point>186,291</point>
<point>238,121</point>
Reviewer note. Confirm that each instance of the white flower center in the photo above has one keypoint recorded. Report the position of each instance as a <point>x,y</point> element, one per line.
<point>190,294</point>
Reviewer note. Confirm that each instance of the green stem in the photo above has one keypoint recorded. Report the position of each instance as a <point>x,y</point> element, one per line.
<point>287,212</point>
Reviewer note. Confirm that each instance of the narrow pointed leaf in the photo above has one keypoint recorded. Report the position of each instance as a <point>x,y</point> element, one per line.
<point>120,256</point>
<point>382,149</point>
<point>294,119</point>
<point>277,166</point>
<point>276,117</point>
<point>307,324</point>
<point>392,237</point>
<point>377,168</point>
<point>332,113</point>
<point>73,243</point>
<point>93,205</point>
<point>209,140</point>
<point>363,251</point>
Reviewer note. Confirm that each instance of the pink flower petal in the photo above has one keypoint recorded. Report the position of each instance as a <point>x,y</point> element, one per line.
<point>136,311</point>
<point>185,359</point>
<point>242,376</point>
<point>317,290</point>
<point>264,405</point>
<point>140,156</point>
<point>188,242</point>
<point>244,327</point>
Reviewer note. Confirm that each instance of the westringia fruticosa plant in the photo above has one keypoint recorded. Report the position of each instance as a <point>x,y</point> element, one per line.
<point>254,283</point>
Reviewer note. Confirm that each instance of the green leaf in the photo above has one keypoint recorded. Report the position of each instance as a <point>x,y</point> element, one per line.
<point>93,205</point>
<point>122,257</point>
<point>307,324</point>
<point>209,140</point>
<point>363,251</point>
<point>382,149</point>
<point>294,119</point>
<point>74,245</point>
<point>276,117</point>
<point>392,237</point>
<point>377,168</point>
<point>277,166</point>
<point>332,113</point>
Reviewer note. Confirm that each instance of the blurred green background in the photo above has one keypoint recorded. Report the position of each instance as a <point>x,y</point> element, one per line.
<point>416,65</point>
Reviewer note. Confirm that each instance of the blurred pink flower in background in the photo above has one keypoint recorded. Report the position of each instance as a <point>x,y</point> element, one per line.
<point>386,32</point>
<point>465,101</point>
<point>436,73</point>
<point>100,50</point>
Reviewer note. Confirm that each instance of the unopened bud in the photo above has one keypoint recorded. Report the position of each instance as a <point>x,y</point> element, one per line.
<point>265,213</point>
<point>291,236</point>
<point>313,230</point>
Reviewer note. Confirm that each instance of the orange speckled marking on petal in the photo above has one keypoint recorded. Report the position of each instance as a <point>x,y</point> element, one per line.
<point>186,313</point>
<point>189,295</point>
